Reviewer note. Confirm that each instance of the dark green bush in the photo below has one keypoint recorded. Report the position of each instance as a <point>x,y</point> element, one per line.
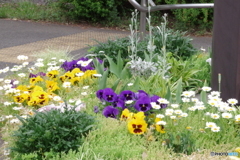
<point>53,131</point>
<point>92,10</point>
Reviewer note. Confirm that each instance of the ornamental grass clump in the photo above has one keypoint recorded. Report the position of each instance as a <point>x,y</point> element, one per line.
<point>55,130</point>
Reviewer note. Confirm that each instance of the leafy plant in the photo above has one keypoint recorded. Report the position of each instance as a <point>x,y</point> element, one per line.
<point>53,130</point>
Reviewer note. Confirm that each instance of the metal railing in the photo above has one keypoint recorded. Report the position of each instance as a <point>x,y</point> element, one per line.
<point>144,9</point>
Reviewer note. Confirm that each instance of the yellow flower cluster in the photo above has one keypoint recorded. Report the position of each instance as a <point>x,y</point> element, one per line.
<point>40,90</point>
<point>136,122</point>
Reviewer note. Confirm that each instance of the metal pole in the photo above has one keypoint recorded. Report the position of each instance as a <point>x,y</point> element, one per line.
<point>143,20</point>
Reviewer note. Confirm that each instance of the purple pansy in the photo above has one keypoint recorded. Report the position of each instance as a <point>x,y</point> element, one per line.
<point>99,94</point>
<point>127,95</point>
<point>69,66</point>
<point>109,95</point>
<point>96,109</point>
<point>143,104</point>
<point>110,111</point>
<point>140,94</point>
<point>119,103</point>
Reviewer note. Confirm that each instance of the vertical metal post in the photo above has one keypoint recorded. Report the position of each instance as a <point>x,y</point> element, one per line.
<point>226,48</point>
<point>143,20</point>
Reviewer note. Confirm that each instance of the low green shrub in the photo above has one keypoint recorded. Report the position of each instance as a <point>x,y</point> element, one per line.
<point>177,43</point>
<point>53,130</point>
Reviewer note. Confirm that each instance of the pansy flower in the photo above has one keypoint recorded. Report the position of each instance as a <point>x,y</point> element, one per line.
<point>119,103</point>
<point>126,95</point>
<point>143,104</point>
<point>125,115</point>
<point>109,95</point>
<point>99,94</point>
<point>140,94</point>
<point>110,111</point>
<point>137,126</point>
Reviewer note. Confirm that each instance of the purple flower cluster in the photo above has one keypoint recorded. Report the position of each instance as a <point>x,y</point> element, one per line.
<point>141,101</point>
<point>69,66</point>
<point>41,74</point>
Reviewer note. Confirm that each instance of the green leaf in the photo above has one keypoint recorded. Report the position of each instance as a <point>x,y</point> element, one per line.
<point>179,91</point>
<point>103,80</point>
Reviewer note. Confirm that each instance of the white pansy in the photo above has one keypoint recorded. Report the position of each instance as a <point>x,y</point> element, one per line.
<point>206,89</point>
<point>161,123</point>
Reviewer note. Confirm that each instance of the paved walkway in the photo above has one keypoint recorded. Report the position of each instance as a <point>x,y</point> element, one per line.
<point>26,38</point>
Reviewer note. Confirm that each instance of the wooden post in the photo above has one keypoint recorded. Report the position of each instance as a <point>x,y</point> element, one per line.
<point>226,48</point>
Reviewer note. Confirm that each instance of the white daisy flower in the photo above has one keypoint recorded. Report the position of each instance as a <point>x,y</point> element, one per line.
<point>130,84</point>
<point>17,108</point>
<point>84,93</point>
<point>67,84</point>
<point>7,81</point>
<point>85,87</point>
<point>39,64</point>
<point>178,111</point>
<point>25,64</point>
<point>173,117</point>
<point>227,115</point>
<point>57,98</point>
<point>9,116</point>
<point>174,105</point>
<point>22,57</point>
<point>14,121</point>
<point>39,60</point>
<point>237,118</point>
<point>155,105</point>
<point>206,89</point>
<point>184,115</point>
<point>62,60</point>
<point>22,75</point>
<point>215,129</point>
<point>214,116</point>
<point>161,123</point>
<point>163,101</point>
<point>160,116</point>
<point>210,124</point>
<point>185,99</point>
<point>232,101</point>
